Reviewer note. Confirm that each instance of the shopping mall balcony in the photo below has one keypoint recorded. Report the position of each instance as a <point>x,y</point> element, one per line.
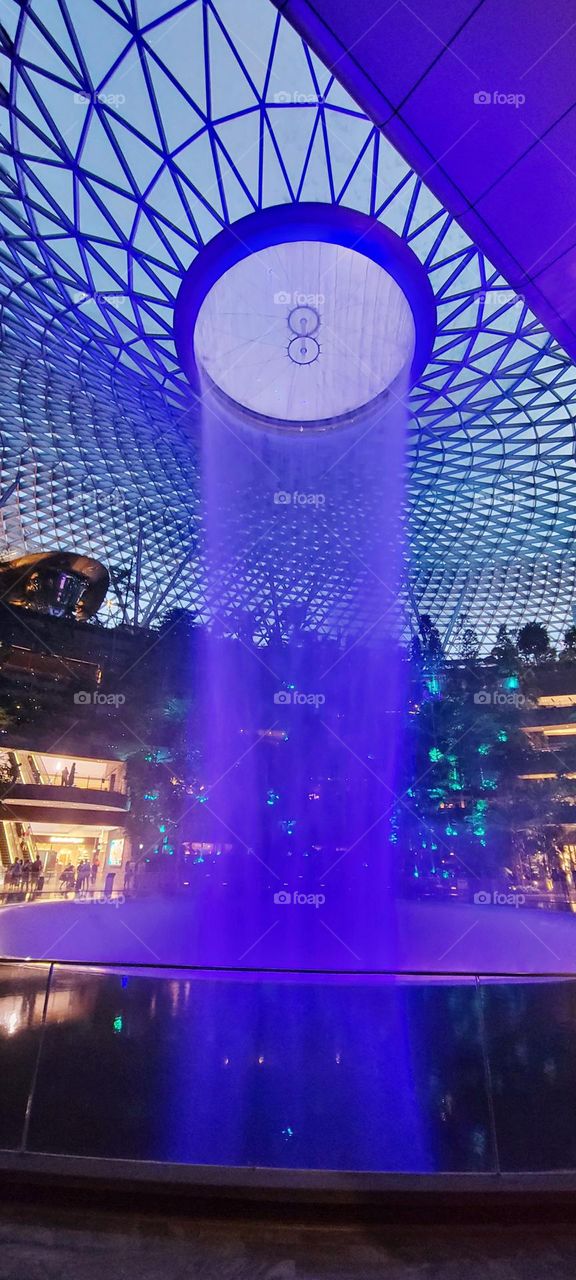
<point>62,809</point>
<point>549,721</point>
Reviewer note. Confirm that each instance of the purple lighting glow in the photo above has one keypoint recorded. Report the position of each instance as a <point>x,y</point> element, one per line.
<point>374,329</point>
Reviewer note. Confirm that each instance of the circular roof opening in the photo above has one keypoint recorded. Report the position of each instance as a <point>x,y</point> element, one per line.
<point>303,316</point>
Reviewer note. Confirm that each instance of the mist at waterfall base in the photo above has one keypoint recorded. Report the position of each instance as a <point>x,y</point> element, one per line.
<point>300,721</point>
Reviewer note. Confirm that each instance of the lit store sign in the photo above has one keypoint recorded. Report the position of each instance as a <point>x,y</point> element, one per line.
<point>116,852</point>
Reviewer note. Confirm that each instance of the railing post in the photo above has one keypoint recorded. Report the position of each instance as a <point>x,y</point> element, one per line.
<point>487,1073</point>
<point>32,1089</point>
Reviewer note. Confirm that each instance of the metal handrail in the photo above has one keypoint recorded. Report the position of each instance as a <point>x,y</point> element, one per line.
<point>444,974</point>
<point>80,783</point>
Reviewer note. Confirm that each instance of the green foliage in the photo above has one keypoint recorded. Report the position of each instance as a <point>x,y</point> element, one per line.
<point>462,763</point>
<point>469,644</point>
<point>505,652</point>
<point>534,641</point>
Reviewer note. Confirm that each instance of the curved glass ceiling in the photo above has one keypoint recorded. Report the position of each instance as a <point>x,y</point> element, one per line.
<point>134,132</point>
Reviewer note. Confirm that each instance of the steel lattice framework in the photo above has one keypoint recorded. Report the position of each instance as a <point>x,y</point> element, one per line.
<point>134,130</point>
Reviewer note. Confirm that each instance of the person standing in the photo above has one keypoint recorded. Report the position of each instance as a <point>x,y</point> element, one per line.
<point>26,868</point>
<point>35,873</point>
<point>8,880</point>
<point>67,878</point>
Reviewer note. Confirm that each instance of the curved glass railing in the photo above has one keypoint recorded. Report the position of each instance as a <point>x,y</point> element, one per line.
<point>392,1073</point>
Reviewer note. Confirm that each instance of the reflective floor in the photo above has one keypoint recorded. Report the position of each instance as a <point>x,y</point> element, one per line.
<point>386,1075</point>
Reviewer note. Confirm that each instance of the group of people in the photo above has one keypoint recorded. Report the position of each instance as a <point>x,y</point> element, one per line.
<point>24,876</point>
<point>78,879</point>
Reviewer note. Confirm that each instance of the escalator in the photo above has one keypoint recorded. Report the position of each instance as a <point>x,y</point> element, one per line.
<point>5,859</point>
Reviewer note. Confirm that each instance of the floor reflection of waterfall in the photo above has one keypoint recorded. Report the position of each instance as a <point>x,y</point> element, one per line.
<point>301,724</point>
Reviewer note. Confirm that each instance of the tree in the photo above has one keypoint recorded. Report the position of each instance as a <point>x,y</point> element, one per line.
<point>469,644</point>
<point>178,620</point>
<point>570,639</point>
<point>533,641</point>
<point>416,650</point>
<point>432,650</point>
<point>461,761</point>
<point>505,650</point>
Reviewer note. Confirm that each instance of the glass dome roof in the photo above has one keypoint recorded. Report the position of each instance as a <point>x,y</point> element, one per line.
<point>133,135</point>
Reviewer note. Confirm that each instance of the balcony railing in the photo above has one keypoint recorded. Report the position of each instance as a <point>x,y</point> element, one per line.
<point>80,782</point>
